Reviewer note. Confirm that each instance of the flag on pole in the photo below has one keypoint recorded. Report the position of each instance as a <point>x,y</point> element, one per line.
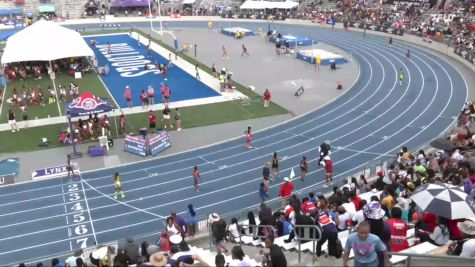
<point>292,174</point>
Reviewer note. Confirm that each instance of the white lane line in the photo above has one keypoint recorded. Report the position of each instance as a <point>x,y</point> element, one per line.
<point>370,153</point>
<point>37,246</point>
<point>207,161</point>
<point>122,203</point>
<point>88,210</point>
<point>66,213</point>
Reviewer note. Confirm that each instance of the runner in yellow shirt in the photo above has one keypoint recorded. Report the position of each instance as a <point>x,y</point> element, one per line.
<point>118,186</point>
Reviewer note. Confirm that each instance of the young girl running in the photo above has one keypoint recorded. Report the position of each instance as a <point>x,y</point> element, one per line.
<point>117,186</point>
<point>248,137</point>
<point>197,178</point>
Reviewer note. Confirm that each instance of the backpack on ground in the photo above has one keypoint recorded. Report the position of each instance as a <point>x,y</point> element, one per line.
<point>338,249</point>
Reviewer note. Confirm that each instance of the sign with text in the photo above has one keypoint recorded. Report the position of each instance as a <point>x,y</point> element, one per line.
<point>7,179</point>
<point>135,145</point>
<point>416,3</point>
<point>51,172</point>
<point>158,143</point>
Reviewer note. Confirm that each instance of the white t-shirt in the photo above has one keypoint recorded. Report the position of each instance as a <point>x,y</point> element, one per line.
<point>468,249</point>
<point>100,254</point>
<point>233,229</point>
<point>238,263</point>
<point>342,218</point>
<point>359,216</point>
<point>173,230</point>
<point>71,261</point>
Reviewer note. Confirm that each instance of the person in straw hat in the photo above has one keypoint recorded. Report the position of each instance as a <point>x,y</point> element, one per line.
<point>158,259</point>
<point>218,228</point>
<point>468,229</point>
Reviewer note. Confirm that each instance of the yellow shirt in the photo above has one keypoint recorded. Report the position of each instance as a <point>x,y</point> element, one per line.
<point>318,59</point>
<point>117,182</point>
<point>388,201</point>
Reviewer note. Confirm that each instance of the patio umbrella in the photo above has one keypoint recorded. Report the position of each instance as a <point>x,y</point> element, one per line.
<point>442,143</point>
<point>444,200</point>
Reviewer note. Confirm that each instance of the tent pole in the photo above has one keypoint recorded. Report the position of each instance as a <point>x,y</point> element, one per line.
<point>75,154</point>
<point>115,123</point>
<point>55,91</point>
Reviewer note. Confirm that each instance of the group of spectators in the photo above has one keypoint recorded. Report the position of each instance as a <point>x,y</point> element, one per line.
<point>453,23</point>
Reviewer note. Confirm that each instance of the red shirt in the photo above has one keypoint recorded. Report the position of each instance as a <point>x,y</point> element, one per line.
<point>356,201</point>
<point>152,118</point>
<point>267,95</point>
<point>454,230</point>
<point>430,219</point>
<point>286,189</point>
<point>328,166</point>
<point>398,235</point>
<point>309,207</point>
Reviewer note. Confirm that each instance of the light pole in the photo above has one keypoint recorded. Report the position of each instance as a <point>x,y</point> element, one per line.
<point>160,14</point>
<point>150,13</point>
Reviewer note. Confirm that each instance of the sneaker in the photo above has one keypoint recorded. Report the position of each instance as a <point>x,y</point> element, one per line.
<point>13,131</point>
<point>115,196</point>
<point>123,196</point>
<point>325,185</point>
<point>179,129</point>
<point>165,127</point>
<point>171,126</point>
<point>287,241</point>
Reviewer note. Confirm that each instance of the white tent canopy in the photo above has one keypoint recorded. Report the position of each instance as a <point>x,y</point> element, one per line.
<point>45,41</point>
<point>185,2</point>
<point>268,5</point>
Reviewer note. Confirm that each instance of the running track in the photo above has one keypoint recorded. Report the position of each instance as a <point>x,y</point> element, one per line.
<point>374,118</point>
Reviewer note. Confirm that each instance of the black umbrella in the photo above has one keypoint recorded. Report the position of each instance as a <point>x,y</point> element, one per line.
<point>444,200</point>
<point>442,143</point>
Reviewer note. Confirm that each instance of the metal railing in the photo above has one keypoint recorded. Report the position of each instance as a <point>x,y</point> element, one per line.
<point>443,260</point>
<point>307,233</point>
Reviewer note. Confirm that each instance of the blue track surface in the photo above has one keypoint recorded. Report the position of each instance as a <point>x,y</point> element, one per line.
<point>127,62</point>
<point>377,116</point>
